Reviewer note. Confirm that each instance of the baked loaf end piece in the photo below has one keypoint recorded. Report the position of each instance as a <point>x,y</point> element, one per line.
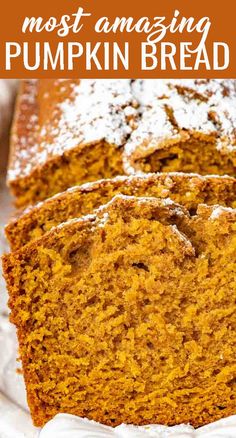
<point>127,315</point>
<point>67,132</point>
<point>186,125</point>
<point>187,189</point>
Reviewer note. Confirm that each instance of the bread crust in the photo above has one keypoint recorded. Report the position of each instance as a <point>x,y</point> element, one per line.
<point>69,132</point>
<point>186,189</point>
<point>148,234</point>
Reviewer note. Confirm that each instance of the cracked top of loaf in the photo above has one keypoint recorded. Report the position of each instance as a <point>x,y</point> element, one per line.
<point>175,111</point>
<point>55,116</point>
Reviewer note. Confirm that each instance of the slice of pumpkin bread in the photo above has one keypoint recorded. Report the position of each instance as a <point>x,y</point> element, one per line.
<point>128,315</point>
<point>187,189</point>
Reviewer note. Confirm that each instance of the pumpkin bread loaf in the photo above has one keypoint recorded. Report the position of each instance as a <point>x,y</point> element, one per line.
<point>128,314</point>
<point>186,189</point>
<point>67,132</point>
<point>186,125</point>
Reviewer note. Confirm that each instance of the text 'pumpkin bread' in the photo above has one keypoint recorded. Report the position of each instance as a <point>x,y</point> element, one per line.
<point>188,190</point>
<point>67,132</point>
<point>128,315</point>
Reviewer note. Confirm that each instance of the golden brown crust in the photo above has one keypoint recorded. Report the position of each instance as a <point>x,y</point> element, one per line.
<point>69,132</point>
<point>24,128</point>
<point>186,125</point>
<point>57,142</point>
<point>186,189</point>
<point>166,354</point>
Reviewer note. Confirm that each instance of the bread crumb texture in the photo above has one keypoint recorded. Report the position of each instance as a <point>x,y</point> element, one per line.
<point>128,315</point>
<point>189,190</point>
<point>67,132</point>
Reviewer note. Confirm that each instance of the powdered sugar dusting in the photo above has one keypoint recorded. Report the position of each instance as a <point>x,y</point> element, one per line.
<point>25,141</point>
<point>92,111</point>
<point>176,110</point>
<point>218,210</point>
<point>99,111</point>
<point>187,243</point>
<point>143,115</point>
<point>204,183</point>
<point>129,201</point>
